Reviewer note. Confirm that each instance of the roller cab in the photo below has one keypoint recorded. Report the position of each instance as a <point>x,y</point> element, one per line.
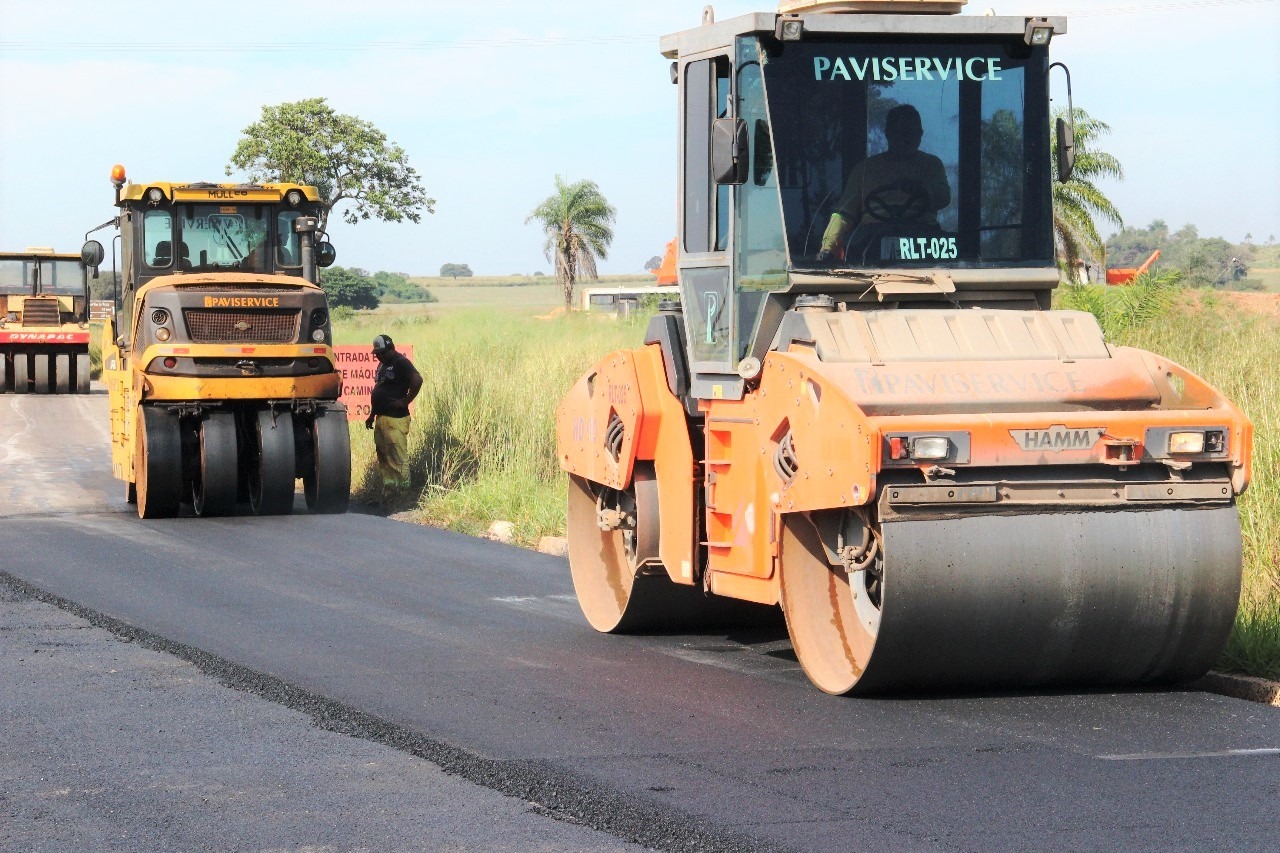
<point>44,323</point>
<point>862,409</point>
<point>219,364</point>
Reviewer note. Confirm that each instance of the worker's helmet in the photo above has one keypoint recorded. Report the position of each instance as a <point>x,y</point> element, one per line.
<point>382,343</point>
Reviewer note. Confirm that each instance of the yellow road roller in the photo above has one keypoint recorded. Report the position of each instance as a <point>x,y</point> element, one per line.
<point>219,363</point>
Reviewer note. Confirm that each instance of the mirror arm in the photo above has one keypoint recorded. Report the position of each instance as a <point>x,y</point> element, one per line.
<point>1066,142</point>
<point>1071,107</point>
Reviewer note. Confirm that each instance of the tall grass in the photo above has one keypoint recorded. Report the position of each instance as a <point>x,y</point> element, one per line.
<point>482,444</point>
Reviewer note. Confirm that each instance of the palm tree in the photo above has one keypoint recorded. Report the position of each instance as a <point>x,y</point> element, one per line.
<point>1078,203</point>
<point>576,220</point>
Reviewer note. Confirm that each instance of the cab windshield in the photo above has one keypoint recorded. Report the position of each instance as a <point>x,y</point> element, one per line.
<point>61,277</point>
<point>897,154</point>
<point>208,237</point>
<point>17,277</point>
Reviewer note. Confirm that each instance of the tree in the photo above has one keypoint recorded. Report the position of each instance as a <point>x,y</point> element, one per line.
<point>653,264</point>
<point>344,157</point>
<point>455,270</point>
<point>352,287</point>
<point>1078,202</point>
<point>576,220</point>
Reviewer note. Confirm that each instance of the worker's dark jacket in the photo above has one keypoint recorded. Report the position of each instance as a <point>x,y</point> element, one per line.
<point>391,386</point>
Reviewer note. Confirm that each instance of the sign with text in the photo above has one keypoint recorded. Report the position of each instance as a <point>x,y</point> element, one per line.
<point>359,368</point>
<point>101,310</point>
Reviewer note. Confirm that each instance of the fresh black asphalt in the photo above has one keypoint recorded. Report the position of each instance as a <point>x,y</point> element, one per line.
<point>473,655</point>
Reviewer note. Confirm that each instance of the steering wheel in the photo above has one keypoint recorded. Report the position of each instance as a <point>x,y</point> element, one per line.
<point>900,202</point>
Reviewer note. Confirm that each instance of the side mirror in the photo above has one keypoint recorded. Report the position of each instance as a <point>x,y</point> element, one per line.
<point>91,254</point>
<point>1066,150</point>
<point>729,151</point>
<point>325,254</point>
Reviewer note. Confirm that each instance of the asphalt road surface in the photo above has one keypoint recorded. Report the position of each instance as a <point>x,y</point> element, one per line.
<point>471,657</point>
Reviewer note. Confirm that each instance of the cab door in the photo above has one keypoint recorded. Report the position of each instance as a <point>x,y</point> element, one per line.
<point>706,231</point>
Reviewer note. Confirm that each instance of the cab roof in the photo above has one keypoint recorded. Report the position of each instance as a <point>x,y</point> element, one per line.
<point>209,192</point>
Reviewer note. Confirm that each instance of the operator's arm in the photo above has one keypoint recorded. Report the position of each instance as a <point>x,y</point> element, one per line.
<point>848,211</point>
<point>935,177</point>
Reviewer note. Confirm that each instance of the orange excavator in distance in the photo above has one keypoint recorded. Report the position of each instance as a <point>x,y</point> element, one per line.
<point>876,422</point>
<point>1127,275</point>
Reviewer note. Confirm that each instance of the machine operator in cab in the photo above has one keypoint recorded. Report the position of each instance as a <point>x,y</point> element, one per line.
<point>902,185</point>
<point>396,383</point>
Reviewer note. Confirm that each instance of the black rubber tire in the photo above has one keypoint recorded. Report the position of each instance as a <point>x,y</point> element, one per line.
<point>273,464</point>
<point>40,371</point>
<point>62,373</point>
<point>84,372</point>
<point>213,489</point>
<point>157,463</point>
<point>21,374</point>
<point>327,480</point>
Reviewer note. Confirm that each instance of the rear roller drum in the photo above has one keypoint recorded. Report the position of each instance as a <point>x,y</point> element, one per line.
<point>1093,598</point>
<point>327,479</point>
<point>83,373</point>
<point>213,488</point>
<point>40,369</point>
<point>272,466</point>
<point>62,373</point>
<point>157,464</point>
<point>832,614</point>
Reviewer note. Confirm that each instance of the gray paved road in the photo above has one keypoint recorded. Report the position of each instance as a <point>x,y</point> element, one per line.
<point>473,654</point>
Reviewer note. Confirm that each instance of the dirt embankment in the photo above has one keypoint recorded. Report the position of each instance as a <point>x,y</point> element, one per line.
<point>1263,303</point>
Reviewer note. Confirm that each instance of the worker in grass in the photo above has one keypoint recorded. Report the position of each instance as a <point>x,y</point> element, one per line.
<point>901,186</point>
<point>396,383</point>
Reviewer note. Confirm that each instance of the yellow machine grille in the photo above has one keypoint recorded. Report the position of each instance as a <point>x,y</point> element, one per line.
<point>233,327</point>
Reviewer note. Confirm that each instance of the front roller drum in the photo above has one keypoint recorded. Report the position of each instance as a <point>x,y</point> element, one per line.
<point>1084,598</point>
<point>62,373</point>
<point>21,373</point>
<point>613,557</point>
<point>42,373</point>
<point>157,463</point>
<point>271,466</point>
<point>326,480</point>
<point>213,488</point>
<point>84,371</point>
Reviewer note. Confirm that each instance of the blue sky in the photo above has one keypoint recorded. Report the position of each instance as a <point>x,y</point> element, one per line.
<point>492,99</point>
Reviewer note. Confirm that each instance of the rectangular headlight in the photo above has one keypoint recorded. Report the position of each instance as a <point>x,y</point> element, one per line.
<point>1186,442</point>
<point>930,447</point>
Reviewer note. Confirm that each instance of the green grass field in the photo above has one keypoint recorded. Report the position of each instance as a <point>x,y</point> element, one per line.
<point>483,444</point>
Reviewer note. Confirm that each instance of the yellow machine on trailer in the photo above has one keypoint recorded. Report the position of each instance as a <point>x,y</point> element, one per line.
<point>219,363</point>
<point>44,323</point>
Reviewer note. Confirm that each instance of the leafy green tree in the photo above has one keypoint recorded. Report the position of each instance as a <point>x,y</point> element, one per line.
<point>576,220</point>
<point>350,287</point>
<point>396,287</point>
<point>455,271</point>
<point>344,157</point>
<point>1078,203</point>
<point>653,264</point>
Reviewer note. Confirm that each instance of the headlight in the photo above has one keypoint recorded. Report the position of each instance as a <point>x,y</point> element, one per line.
<point>930,447</point>
<point>317,335</point>
<point>1186,442</point>
<point>162,334</point>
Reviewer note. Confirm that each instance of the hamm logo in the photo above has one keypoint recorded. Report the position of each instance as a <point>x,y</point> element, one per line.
<point>1058,437</point>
